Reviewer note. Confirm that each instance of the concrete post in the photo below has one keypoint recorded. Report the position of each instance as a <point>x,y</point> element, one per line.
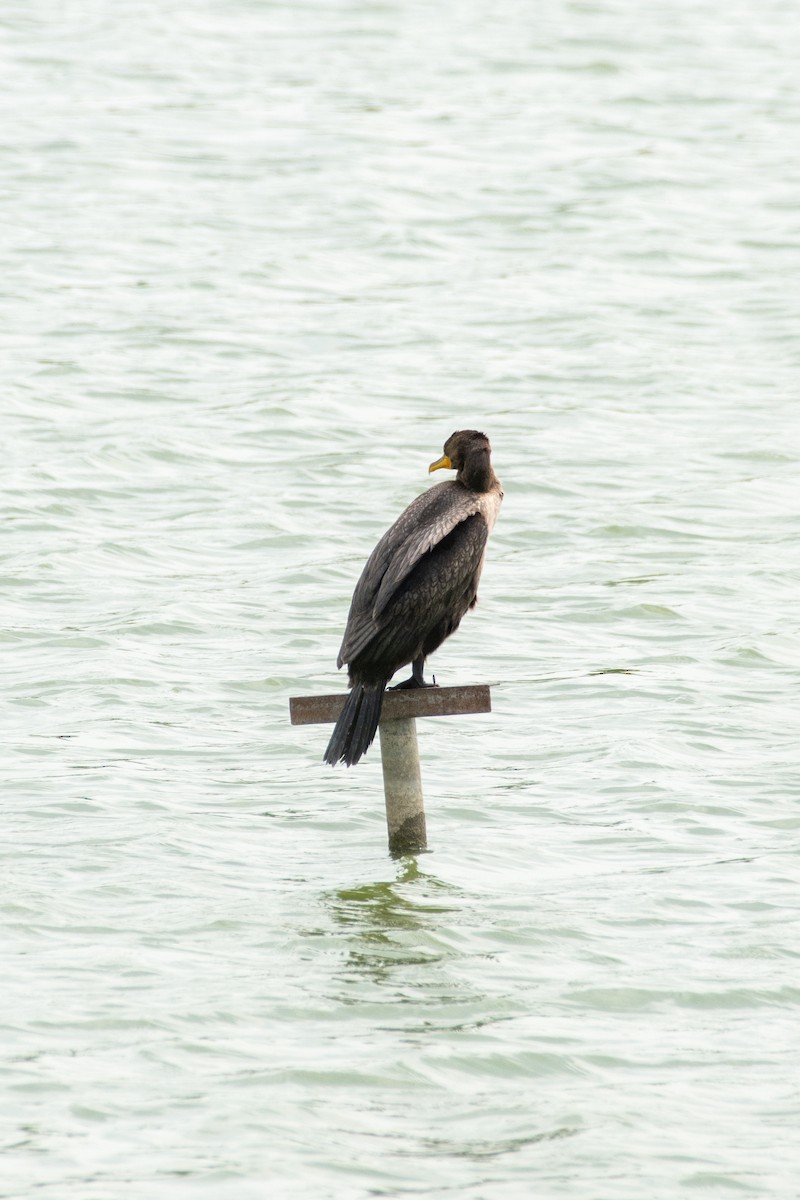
<point>402,786</point>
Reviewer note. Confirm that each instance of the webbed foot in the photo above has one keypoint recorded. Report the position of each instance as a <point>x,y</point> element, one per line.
<point>408,684</point>
<point>417,679</point>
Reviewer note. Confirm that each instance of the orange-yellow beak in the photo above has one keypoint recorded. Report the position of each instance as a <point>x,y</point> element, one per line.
<point>444,461</point>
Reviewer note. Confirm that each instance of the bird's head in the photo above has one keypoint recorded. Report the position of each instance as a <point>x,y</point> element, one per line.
<point>462,444</point>
<point>468,452</point>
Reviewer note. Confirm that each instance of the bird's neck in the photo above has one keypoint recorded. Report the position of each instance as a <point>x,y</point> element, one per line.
<point>476,472</point>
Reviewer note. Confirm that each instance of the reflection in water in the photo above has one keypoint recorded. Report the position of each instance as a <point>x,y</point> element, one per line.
<point>393,923</point>
<point>404,946</point>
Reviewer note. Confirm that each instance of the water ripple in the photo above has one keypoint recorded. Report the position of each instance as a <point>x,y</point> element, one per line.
<point>264,258</point>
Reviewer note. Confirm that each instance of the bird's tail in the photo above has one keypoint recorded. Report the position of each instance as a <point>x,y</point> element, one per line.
<point>353,733</point>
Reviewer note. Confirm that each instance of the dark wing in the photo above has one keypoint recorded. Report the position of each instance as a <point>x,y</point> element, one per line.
<point>430,602</point>
<point>425,523</point>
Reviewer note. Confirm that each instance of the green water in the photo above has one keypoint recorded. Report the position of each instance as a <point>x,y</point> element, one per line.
<point>262,259</point>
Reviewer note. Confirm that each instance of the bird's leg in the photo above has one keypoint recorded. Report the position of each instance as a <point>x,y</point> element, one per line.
<point>417,679</point>
<point>417,667</point>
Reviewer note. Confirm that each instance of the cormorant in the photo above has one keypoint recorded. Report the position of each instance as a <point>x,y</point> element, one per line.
<point>418,582</point>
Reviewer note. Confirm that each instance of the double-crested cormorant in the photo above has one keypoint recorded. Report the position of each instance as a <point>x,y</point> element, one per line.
<point>418,582</point>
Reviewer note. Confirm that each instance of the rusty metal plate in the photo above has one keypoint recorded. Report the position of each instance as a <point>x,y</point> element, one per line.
<point>419,702</point>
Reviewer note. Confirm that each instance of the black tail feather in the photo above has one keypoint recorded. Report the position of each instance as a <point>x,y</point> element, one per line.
<point>353,733</point>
